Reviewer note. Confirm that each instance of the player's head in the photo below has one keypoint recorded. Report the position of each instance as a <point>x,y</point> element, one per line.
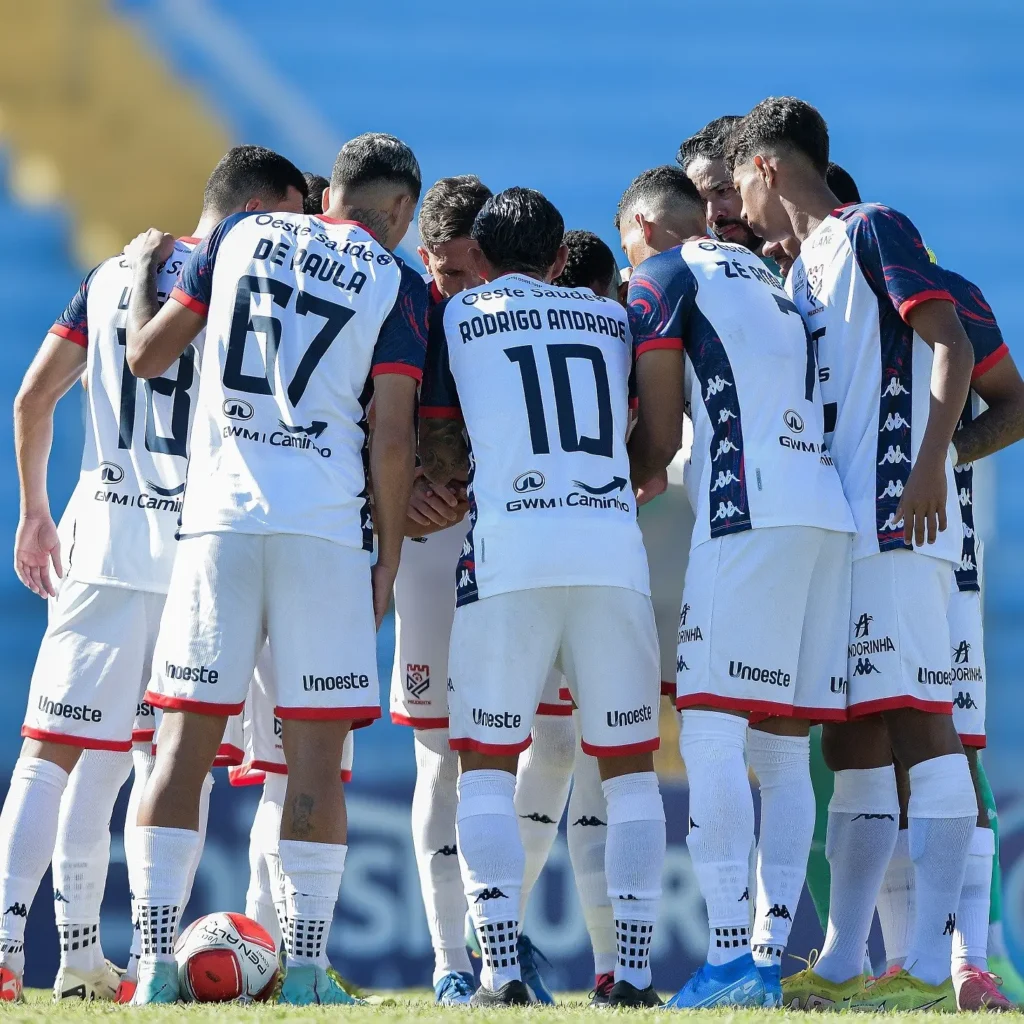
<point>589,264</point>
<point>661,209</point>
<point>519,231</point>
<point>253,178</point>
<point>447,213</point>
<point>376,181</point>
<point>702,157</point>
<point>784,253</point>
<point>841,184</point>
<point>775,149</point>
<point>316,186</point>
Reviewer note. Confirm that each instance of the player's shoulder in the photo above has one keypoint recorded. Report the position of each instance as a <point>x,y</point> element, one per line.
<point>665,276</point>
<point>969,298</point>
<point>875,220</point>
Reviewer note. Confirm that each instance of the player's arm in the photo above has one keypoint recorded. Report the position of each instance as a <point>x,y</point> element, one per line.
<point>444,453</point>
<point>433,507</point>
<point>1002,423</point>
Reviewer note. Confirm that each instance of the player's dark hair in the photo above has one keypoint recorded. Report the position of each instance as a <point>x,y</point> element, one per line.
<point>315,185</point>
<point>709,142</point>
<point>591,263</point>
<point>449,208</point>
<point>780,122</point>
<point>244,172</point>
<point>373,158</point>
<point>658,185</point>
<point>841,182</point>
<point>519,230</point>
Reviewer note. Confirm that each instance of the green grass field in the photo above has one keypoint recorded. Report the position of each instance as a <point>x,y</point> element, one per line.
<point>410,1007</point>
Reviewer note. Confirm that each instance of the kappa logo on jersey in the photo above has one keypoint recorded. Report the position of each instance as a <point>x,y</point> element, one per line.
<point>863,625</point>
<point>532,480</point>
<point>965,702</point>
<point>893,489</point>
<point>417,679</point>
<point>724,478</point>
<point>111,473</point>
<point>237,409</point>
<point>967,563</point>
<point>726,510</point>
<point>892,524</point>
<point>724,415</point>
<point>968,532</point>
<point>893,456</point>
<point>725,446</point>
<point>793,420</point>
<point>895,387</point>
<point>716,385</point>
<point>894,421</point>
<point>962,653</point>
<point>965,497</point>
<point>865,667</point>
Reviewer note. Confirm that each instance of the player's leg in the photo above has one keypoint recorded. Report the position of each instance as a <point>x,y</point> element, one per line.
<point>610,656</point>
<point>502,649</point>
<point>818,874</point>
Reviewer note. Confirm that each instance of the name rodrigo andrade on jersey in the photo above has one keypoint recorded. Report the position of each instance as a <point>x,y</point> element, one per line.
<point>557,318</point>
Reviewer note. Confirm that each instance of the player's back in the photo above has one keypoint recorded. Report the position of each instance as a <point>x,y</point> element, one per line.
<point>540,374</point>
<point>301,311</point>
<point>126,505</point>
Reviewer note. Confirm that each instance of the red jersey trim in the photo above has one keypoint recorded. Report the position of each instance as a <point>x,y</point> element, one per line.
<point>74,741</point>
<point>915,300</point>
<point>497,749</point>
<point>842,206</point>
<point>419,723</point>
<point>199,707</point>
<point>818,715</point>
<point>970,740</point>
<point>643,747</point>
<point>190,239</point>
<point>258,768</point>
<point>989,361</point>
<point>246,775</point>
<point>142,735</point>
<point>188,302</point>
<point>228,756</point>
<point>355,223</point>
<point>668,689</point>
<point>71,335</point>
<point>714,700</point>
<point>435,293</point>
<point>401,368</point>
<point>555,710</point>
<point>440,412</point>
<point>873,707</point>
<point>676,344</point>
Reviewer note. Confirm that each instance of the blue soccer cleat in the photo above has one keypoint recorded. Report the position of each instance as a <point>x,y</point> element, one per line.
<point>528,967</point>
<point>158,983</point>
<point>736,983</point>
<point>456,988</point>
<point>771,978</point>
<point>311,985</point>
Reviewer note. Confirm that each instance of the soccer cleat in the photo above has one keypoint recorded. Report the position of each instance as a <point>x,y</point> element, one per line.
<point>512,993</point>
<point>736,983</point>
<point>352,989</point>
<point>1012,983</point>
<point>808,990</point>
<point>625,994</point>
<point>454,989</point>
<point>897,989</point>
<point>603,984</point>
<point>771,978</point>
<point>528,967</point>
<point>125,990</point>
<point>311,985</point>
<point>10,986</point>
<point>157,983</point>
<point>103,983</point>
<point>979,990</point>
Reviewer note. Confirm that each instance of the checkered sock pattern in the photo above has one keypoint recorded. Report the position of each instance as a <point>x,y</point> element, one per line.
<point>158,926</point>
<point>766,956</point>
<point>304,938</point>
<point>735,937</point>
<point>75,937</point>
<point>499,948</point>
<point>633,943</point>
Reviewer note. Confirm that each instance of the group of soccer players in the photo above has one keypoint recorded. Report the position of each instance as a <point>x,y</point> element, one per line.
<point>286,424</point>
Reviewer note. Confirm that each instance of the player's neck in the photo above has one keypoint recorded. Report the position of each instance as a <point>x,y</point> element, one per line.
<point>207,222</point>
<point>808,206</point>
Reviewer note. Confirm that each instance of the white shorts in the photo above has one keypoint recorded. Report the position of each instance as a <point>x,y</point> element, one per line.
<point>231,751</point>
<point>504,648</point>
<point>899,652</point>
<point>762,623</point>
<point>967,643</point>
<point>144,726</point>
<point>264,751</point>
<point>92,665</point>
<point>424,609</point>
<point>229,592</point>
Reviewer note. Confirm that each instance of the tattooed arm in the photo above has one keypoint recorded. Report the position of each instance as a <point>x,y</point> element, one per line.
<point>443,450</point>
<point>1002,423</point>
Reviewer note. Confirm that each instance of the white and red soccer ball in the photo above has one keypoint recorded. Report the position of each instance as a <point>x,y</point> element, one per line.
<point>226,956</point>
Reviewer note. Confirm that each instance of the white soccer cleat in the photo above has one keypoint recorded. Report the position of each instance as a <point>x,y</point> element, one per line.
<point>99,984</point>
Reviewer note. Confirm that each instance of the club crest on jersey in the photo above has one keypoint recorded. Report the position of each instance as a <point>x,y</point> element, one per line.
<point>417,679</point>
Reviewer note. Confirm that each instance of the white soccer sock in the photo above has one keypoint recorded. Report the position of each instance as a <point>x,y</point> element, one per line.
<point>542,789</point>
<point>81,855</point>
<point>634,859</point>
<point>491,857</point>
<point>143,760</point>
<point>28,831</point>
<point>970,939</point>
<point>782,767</point>
<point>863,819</point>
<point>434,802</point>
<point>896,902</point>
<point>942,813</point>
<point>312,873</point>
<point>159,862</point>
<point>263,837</point>
<point>721,826</point>
<point>587,831</point>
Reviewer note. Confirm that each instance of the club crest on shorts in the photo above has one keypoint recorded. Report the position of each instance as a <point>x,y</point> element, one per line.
<point>417,679</point>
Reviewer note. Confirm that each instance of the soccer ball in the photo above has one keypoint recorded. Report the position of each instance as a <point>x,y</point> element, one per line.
<point>226,956</point>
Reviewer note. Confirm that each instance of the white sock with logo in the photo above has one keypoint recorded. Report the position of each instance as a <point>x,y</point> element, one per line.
<point>896,902</point>
<point>942,814</point>
<point>491,857</point>
<point>143,760</point>
<point>81,855</point>
<point>434,801</point>
<point>634,861</point>
<point>312,875</point>
<point>587,831</point>
<point>28,831</point>
<point>721,826</point>
<point>782,767</point>
<point>970,939</point>
<point>542,789</point>
<point>263,837</point>
<point>863,819</point>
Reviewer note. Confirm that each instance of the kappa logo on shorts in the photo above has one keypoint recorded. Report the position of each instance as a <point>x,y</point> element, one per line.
<point>864,667</point>
<point>681,665</point>
<point>417,679</point>
<point>965,702</point>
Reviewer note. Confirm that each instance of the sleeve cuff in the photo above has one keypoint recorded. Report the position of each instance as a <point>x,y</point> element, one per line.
<point>675,344</point>
<point>189,302</point>
<point>405,369</point>
<point>989,361</point>
<point>440,412</point>
<point>915,300</point>
<point>78,337</point>
<point>634,402</point>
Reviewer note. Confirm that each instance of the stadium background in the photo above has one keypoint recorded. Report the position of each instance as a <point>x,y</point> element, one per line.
<point>113,113</point>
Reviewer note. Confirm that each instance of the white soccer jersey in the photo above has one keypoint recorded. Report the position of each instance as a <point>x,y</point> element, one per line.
<point>128,498</point>
<point>540,376</point>
<point>301,313</point>
<point>858,275</point>
<point>759,457</point>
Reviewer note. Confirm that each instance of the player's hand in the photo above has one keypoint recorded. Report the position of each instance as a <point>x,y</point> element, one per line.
<point>35,546</point>
<point>433,504</point>
<point>152,244</point>
<point>650,490</point>
<point>923,504</point>
<point>382,578</point>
